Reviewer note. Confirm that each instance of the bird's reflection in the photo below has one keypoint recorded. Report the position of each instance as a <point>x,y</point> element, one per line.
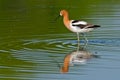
<point>77,57</point>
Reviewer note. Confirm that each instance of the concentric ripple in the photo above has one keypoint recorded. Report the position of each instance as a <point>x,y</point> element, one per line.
<point>35,53</point>
<point>63,42</point>
<point>52,42</point>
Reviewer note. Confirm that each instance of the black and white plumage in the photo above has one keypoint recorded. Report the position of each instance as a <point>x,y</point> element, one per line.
<point>81,26</point>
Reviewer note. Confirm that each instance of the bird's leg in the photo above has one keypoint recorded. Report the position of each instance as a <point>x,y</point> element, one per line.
<point>86,40</point>
<point>78,38</point>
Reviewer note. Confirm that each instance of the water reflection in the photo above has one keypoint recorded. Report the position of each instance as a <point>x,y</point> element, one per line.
<point>76,57</point>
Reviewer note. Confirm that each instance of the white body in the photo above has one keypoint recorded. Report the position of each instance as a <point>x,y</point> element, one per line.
<point>78,29</point>
<point>79,57</point>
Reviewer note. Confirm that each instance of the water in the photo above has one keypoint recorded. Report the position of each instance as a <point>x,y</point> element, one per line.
<point>35,47</point>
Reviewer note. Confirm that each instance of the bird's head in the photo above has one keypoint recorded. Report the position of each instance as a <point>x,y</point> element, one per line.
<point>63,12</point>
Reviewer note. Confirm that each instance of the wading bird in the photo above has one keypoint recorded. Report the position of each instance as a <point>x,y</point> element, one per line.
<point>77,26</point>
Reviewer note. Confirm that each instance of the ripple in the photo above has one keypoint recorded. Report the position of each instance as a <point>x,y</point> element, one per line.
<point>35,53</point>
<point>52,42</point>
<point>62,43</point>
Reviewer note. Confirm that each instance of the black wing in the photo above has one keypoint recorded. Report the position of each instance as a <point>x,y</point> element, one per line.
<point>83,24</point>
<point>77,23</point>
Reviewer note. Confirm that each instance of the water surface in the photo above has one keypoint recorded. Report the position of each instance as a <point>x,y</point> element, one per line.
<point>33,46</point>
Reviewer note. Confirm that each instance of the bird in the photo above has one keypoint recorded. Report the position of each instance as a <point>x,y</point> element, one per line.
<point>77,26</point>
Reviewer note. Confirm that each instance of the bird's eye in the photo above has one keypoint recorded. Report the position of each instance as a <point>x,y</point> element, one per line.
<point>60,14</point>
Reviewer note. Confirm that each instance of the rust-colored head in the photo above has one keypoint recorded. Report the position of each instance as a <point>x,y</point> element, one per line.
<point>63,12</point>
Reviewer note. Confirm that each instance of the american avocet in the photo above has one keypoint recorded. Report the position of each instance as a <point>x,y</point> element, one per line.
<point>77,26</point>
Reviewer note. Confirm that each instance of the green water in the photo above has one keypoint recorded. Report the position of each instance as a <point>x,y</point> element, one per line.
<point>33,46</point>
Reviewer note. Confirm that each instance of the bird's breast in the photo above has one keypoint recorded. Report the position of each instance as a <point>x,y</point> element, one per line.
<point>79,30</point>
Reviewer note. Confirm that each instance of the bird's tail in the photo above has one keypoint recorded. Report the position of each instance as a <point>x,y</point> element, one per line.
<point>94,26</point>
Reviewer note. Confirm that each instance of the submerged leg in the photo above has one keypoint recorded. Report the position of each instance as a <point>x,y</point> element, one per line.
<point>78,38</point>
<point>86,40</point>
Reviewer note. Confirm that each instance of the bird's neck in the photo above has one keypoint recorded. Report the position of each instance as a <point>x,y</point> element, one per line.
<point>65,66</point>
<point>66,20</point>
